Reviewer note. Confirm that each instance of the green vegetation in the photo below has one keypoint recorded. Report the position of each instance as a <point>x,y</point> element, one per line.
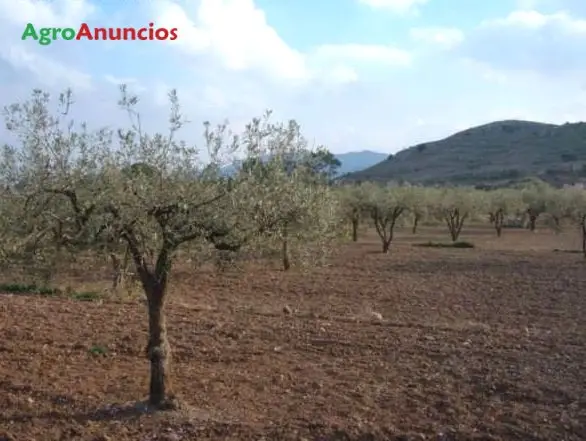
<point>459,244</point>
<point>498,154</point>
<point>17,288</point>
<point>97,350</point>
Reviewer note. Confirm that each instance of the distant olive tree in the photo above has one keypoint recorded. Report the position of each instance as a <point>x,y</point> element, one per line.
<point>76,189</point>
<point>534,197</point>
<point>353,203</point>
<point>575,202</point>
<point>386,205</point>
<point>502,203</point>
<point>418,201</point>
<point>558,207</point>
<point>454,206</point>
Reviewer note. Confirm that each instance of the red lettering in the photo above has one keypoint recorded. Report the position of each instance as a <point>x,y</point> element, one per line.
<point>162,34</point>
<point>112,36</point>
<point>140,34</point>
<point>101,33</point>
<point>84,31</point>
<point>173,34</point>
<point>151,31</point>
<point>131,32</point>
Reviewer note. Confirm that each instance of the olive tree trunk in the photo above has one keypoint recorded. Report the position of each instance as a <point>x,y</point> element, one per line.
<point>532,219</point>
<point>154,283</point>
<point>499,220</point>
<point>355,224</point>
<point>415,224</point>
<point>285,248</point>
<point>158,350</point>
<point>583,227</point>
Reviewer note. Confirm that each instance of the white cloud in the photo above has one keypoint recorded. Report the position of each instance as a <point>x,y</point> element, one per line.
<point>534,20</point>
<point>527,40</point>
<point>41,62</point>
<point>48,71</point>
<point>348,62</point>
<point>397,6</point>
<point>45,13</point>
<point>363,53</point>
<point>236,34</point>
<point>444,37</point>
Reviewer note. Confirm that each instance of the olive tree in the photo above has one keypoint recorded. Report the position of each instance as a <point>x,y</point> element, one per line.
<point>418,205</point>
<point>454,206</point>
<point>386,205</point>
<point>576,203</point>
<point>70,187</point>
<point>502,203</point>
<point>353,200</point>
<point>292,202</point>
<point>534,197</point>
<point>558,206</point>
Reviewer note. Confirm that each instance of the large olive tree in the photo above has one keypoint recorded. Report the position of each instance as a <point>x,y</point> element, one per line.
<point>69,187</point>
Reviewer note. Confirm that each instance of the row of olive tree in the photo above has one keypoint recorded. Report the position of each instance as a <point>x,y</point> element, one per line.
<point>66,189</point>
<point>385,207</point>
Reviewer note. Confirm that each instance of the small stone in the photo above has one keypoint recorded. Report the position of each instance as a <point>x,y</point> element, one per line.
<point>376,315</point>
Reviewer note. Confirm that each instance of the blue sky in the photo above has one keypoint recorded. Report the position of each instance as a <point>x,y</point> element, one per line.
<point>357,74</point>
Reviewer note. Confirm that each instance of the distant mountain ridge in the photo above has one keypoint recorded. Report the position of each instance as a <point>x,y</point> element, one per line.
<point>356,161</point>
<point>493,154</point>
<point>350,161</point>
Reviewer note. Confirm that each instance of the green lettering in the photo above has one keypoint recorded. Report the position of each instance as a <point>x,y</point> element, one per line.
<point>45,33</point>
<point>68,33</point>
<point>29,31</point>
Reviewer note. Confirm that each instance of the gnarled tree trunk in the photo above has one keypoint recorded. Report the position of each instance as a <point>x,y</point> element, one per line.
<point>158,350</point>
<point>154,282</point>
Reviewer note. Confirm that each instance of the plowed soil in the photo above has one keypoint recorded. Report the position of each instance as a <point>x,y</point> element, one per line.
<point>423,343</point>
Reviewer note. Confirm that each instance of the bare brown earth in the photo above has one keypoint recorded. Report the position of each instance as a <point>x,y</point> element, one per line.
<point>474,344</point>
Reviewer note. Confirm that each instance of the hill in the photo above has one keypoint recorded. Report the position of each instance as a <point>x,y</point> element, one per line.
<point>350,162</point>
<point>494,154</point>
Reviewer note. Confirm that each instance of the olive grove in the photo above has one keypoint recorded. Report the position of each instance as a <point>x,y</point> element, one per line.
<point>142,199</point>
<point>67,188</point>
